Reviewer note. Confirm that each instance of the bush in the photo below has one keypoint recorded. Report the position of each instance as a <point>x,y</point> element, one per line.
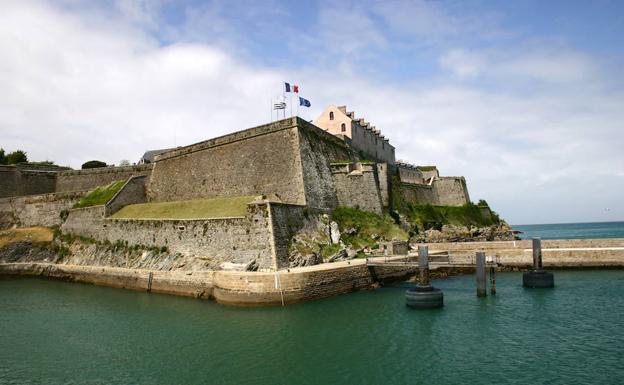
<point>93,164</point>
<point>16,157</point>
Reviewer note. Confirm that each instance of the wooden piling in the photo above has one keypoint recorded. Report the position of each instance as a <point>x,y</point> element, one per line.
<point>537,253</point>
<point>481,284</point>
<point>423,266</point>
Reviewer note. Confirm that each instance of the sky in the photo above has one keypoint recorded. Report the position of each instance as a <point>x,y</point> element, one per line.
<point>523,98</point>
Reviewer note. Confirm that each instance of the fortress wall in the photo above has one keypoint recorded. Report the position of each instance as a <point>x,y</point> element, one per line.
<point>383,182</point>
<point>286,220</point>
<point>358,188</point>
<point>411,175</point>
<point>260,160</point>
<point>17,182</point>
<point>132,192</point>
<point>82,180</point>
<point>451,191</point>
<point>86,222</point>
<point>236,240</point>
<point>35,210</point>
<point>418,194</point>
<point>319,149</point>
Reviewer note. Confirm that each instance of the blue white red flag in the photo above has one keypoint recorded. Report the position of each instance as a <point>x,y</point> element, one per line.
<point>291,87</point>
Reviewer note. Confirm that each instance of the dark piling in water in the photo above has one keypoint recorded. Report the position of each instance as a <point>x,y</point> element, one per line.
<point>538,277</point>
<point>423,295</point>
<point>481,284</point>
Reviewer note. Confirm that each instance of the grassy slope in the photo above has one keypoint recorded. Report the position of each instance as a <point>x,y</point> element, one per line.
<point>367,225</point>
<point>32,234</point>
<point>100,195</point>
<point>467,215</point>
<point>191,209</point>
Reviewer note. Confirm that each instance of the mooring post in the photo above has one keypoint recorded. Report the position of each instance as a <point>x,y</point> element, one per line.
<point>481,289</point>
<point>423,266</point>
<point>423,295</point>
<point>537,277</point>
<point>493,280</point>
<point>537,253</point>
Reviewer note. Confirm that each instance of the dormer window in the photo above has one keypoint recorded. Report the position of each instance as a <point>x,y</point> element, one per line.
<point>331,115</point>
<point>343,127</point>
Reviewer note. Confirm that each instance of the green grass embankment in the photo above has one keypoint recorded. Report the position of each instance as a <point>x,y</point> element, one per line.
<point>100,195</point>
<point>362,228</point>
<point>191,209</point>
<point>428,216</point>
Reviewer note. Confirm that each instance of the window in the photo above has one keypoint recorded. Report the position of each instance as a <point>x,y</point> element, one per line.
<point>331,115</point>
<point>343,127</point>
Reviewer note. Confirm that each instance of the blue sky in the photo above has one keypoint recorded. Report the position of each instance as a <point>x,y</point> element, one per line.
<point>524,98</point>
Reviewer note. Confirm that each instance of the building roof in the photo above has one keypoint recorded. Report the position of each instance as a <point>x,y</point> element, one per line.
<point>149,156</point>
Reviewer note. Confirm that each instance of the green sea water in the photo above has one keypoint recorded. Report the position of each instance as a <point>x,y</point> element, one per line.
<point>65,333</point>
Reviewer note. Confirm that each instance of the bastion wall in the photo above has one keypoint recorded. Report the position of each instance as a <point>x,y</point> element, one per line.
<point>443,191</point>
<point>82,180</point>
<point>36,210</point>
<point>289,158</point>
<point>357,185</point>
<point>259,161</point>
<point>263,234</point>
<point>15,181</point>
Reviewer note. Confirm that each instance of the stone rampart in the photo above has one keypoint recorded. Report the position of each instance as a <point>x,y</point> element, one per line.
<point>418,193</point>
<point>259,161</point>
<point>36,210</point>
<point>286,220</point>
<point>132,192</point>
<point>289,158</point>
<point>317,149</point>
<point>357,185</point>
<point>451,190</point>
<point>236,239</point>
<point>81,180</point>
<point>19,181</point>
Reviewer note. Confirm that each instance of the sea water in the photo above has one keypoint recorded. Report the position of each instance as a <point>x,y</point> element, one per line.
<point>55,332</point>
<point>573,230</point>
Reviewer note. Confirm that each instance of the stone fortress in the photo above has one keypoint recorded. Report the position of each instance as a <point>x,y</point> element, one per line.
<point>283,172</point>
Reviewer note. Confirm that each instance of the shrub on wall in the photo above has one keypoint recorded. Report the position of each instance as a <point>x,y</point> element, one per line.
<point>93,164</point>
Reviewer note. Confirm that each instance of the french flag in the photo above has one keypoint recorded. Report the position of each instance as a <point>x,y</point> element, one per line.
<point>291,88</point>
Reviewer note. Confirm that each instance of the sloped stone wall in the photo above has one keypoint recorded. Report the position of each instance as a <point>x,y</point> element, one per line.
<point>36,210</point>
<point>82,180</point>
<point>259,161</point>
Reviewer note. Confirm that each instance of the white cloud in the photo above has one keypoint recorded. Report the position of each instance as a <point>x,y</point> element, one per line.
<point>538,135</point>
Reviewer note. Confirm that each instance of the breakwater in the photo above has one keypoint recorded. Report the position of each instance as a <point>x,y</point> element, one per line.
<point>289,286</point>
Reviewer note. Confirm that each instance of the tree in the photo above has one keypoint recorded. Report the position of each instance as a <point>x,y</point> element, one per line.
<point>3,159</point>
<point>17,156</point>
<point>124,162</point>
<point>93,164</point>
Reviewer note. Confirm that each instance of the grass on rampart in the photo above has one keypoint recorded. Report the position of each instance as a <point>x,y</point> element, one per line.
<point>26,234</point>
<point>100,195</point>
<point>191,209</point>
<point>428,216</point>
<point>368,227</point>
